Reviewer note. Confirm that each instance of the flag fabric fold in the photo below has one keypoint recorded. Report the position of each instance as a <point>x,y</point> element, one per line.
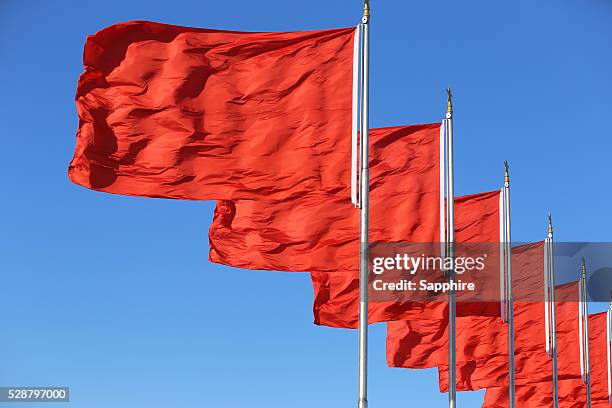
<point>191,113</point>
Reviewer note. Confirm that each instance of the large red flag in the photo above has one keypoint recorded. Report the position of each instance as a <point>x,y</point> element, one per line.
<point>190,113</point>
<point>321,233</point>
<point>336,295</point>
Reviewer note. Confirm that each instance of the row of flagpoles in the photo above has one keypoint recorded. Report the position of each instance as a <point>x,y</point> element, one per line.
<point>447,238</point>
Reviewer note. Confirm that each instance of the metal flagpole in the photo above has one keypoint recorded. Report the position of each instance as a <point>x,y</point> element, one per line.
<point>552,323</point>
<point>581,328</point>
<point>585,333</point>
<point>450,221</point>
<point>364,213</point>
<point>502,254</point>
<point>609,347</point>
<point>508,285</point>
<point>355,134</point>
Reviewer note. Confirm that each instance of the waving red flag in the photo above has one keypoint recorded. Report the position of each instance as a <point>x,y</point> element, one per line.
<point>191,113</point>
<point>337,294</point>
<point>532,364</point>
<point>321,233</point>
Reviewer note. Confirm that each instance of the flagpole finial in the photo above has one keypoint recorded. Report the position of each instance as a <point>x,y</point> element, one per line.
<point>449,105</point>
<point>506,174</point>
<point>366,11</point>
<point>583,268</point>
<point>550,225</point>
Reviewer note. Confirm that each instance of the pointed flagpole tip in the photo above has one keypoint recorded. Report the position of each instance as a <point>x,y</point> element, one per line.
<point>583,268</point>
<point>506,174</point>
<point>449,105</point>
<point>366,11</point>
<point>550,225</point>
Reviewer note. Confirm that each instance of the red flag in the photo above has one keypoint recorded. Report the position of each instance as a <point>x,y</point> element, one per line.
<point>336,297</point>
<point>321,233</point>
<point>532,364</point>
<point>598,348</point>
<point>190,113</point>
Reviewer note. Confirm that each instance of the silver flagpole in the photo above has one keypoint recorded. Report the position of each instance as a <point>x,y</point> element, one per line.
<point>581,328</point>
<point>364,213</point>
<point>609,347</point>
<point>508,285</point>
<point>502,254</point>
<point>355,134</point>
<point>450,220</point>
<point>585,339</point>
<point>547,295</point>
<point>552,313</point>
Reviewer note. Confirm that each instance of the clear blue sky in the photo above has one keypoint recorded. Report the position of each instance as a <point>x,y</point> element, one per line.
<point>114,296</point>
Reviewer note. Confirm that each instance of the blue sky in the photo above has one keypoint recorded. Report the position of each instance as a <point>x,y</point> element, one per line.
<point>114,296</point>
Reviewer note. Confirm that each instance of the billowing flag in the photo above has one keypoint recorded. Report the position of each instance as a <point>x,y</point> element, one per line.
<point>321,233</point>
<point>190,113</point>
<point>336,295</point>
<point>532,364</point>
